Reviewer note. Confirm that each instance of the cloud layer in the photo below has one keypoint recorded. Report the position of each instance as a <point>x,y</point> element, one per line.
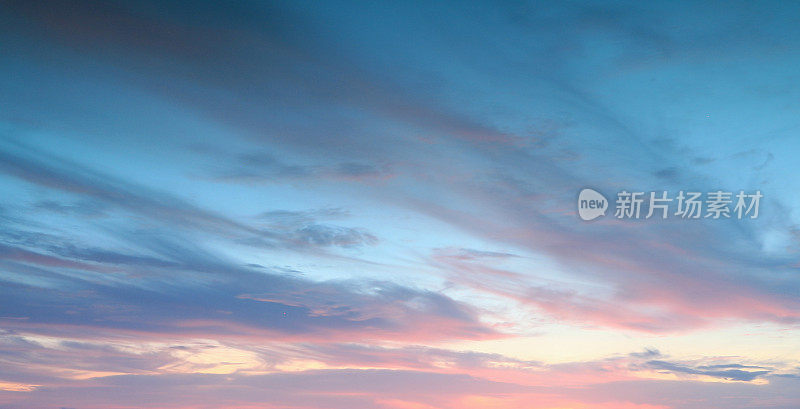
<point>372,205</point>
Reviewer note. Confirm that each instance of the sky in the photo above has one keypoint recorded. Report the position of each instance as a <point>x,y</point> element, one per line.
<point>358,205</point>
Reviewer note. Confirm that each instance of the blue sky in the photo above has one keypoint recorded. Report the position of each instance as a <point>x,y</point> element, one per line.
<point>372,205</point>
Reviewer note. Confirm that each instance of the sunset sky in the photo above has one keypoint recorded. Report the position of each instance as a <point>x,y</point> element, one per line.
<point>372,205</point>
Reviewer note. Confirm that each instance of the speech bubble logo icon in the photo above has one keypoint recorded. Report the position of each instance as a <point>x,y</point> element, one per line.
<point>591,204</point>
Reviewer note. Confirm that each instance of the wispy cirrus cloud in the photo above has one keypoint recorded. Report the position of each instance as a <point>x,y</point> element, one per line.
<point>159,162</point>
<point>54,293</point>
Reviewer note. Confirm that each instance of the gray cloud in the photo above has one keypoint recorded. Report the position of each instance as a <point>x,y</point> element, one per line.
<point>728,372</point>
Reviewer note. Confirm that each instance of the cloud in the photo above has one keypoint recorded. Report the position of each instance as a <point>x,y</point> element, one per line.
<point>451,167</point>
<point>728,372</point>
<point>301,228</point>
<point>262,167</point>
<point>334,389</point>
<point>220,299</point>
<point>60,175</point>
<point>161,284</point>
<point>323,373</point>
<point>101,190</point>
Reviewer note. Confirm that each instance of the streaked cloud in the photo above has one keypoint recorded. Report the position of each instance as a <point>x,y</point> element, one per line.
<point>308,205</point>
